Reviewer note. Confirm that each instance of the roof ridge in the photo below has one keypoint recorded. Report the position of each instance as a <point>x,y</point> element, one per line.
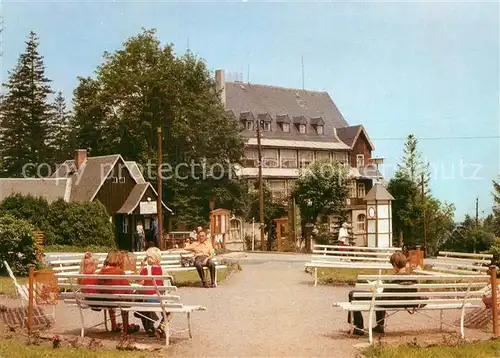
<point>104,156</point>
<point>277,87</point>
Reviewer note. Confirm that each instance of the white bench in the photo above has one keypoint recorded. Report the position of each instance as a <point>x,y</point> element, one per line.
<point>359,257</point>
<point>171,262</point>
<point>166,302</point>
<point>443,292</point>
<point>459,263</point>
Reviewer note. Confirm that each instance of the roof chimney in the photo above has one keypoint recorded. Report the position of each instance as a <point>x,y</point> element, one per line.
<point>80,157</point>
<point>220,85</point>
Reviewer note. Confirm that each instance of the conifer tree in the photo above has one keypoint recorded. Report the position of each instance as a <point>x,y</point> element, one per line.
<point>58,136</point>
<point>25,113</point>
<point>413,165</point>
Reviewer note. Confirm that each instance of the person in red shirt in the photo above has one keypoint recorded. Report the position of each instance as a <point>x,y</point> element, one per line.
<point>113,265</point>
<point>88,266</point>
<point>153,261</point>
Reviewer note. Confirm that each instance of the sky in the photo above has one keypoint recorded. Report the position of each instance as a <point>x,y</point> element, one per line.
<point>426,68</point>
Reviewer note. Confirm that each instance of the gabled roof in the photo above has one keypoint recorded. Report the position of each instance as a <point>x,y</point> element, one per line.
<point>135,198</point>
<point>92,175</point>
<point>49,188</point>
<point>135,172</point>
<point>276,101</point>
<point>378,192</point>
<point>349,135</point>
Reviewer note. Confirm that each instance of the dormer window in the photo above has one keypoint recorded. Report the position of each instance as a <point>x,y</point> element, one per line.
<point>284,122</point>
<point>300,123</point>
<point>249,125</point>
<point>265,121</point>
<point>302,128</point>
<point>318,124</point>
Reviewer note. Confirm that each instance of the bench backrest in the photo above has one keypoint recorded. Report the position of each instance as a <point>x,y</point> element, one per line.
<point>134,296</point>
<point>462,263</point>
<point>413,290</point>
<point>352,253</point>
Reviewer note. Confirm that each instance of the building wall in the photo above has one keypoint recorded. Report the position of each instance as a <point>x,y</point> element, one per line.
<point>361,147</point>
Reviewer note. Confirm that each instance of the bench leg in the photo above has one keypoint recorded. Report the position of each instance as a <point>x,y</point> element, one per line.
<point>82,332</point>
<point>315,276</point>
<point>370,324</point>
<point>167,333</point>
<point>189,324</point>
<point>105,320</point>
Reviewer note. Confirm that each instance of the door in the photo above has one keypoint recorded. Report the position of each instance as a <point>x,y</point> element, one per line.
<point>281,233</point>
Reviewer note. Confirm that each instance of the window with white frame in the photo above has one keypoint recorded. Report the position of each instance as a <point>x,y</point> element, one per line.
<point>319,129</point>
<point>360,160</point>
<point>352,188</point>
<point>340,158</point>
<point>278,189</point>
<point>267,126</point>
<point>251,158</point>
<point>361,190</point>
<point>288,158</point>
<point>306,157</point>
<point>125,225</point>
<point>361,222</point>
<point>323,156</point>
<point>302,128</point>
<point>249,125</point>
<point>270,158</point>
<point>286,127</point>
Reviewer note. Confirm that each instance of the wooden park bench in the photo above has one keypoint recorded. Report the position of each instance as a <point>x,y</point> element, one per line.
<point>358,257</point>
<point>442,292</point>
<point>131,302</point>
<point>459,263</point>
<point>171,262</point>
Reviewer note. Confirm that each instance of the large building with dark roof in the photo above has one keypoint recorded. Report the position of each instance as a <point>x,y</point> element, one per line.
<point>298,128</point>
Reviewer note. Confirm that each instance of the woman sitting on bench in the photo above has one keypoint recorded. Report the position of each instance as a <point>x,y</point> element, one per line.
<point>113,265</point>
<point>398,262</point>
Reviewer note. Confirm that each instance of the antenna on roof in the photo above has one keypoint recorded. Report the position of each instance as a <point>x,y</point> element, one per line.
<point>188,44</point>
<point>302,61</point>
<point>248,73</point>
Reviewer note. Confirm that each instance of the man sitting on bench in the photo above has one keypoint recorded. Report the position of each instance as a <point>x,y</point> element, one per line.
<point>203,252</point>
<point>398,262</point>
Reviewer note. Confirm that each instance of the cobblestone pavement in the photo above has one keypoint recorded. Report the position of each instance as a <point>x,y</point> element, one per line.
<point>267,310</point>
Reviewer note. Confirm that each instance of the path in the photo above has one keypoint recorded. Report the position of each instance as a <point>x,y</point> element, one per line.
<point>269,309</point>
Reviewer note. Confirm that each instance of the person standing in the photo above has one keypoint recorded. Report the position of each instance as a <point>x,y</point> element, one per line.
<point>155,232</point>
<point>140,237</point>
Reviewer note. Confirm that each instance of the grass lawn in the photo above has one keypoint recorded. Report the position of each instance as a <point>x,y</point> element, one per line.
<point>14,348</point>
<point>335,276</point>
<point>191,278</point>
<point>7,286</point>
<point>485,349</point>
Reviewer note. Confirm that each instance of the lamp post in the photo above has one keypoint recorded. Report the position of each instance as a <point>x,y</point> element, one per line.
<point>261,185</point>
<point>211,205</point>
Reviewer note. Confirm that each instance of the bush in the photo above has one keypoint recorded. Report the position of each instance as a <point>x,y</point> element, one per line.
<point>17,244</point>
<point>81,224</point>
<point>30,208</point>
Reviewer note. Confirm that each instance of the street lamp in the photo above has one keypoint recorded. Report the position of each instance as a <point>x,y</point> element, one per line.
<point>377,161</point>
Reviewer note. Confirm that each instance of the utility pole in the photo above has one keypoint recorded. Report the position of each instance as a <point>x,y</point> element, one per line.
<point>425,221</point>
<point>261,187</point>
<point>159,203</point>
<point>477,211</point>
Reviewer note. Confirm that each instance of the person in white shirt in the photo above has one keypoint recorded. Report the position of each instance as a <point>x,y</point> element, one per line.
<point>140,237</point>
<point>344,235</point>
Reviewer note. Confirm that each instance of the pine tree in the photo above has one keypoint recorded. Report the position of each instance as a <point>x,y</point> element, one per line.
<point>413,164</point>
<point>58,136</point>
<point>25,113</point>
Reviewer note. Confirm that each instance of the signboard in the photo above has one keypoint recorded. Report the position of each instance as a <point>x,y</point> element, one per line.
<point>147,207</point>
